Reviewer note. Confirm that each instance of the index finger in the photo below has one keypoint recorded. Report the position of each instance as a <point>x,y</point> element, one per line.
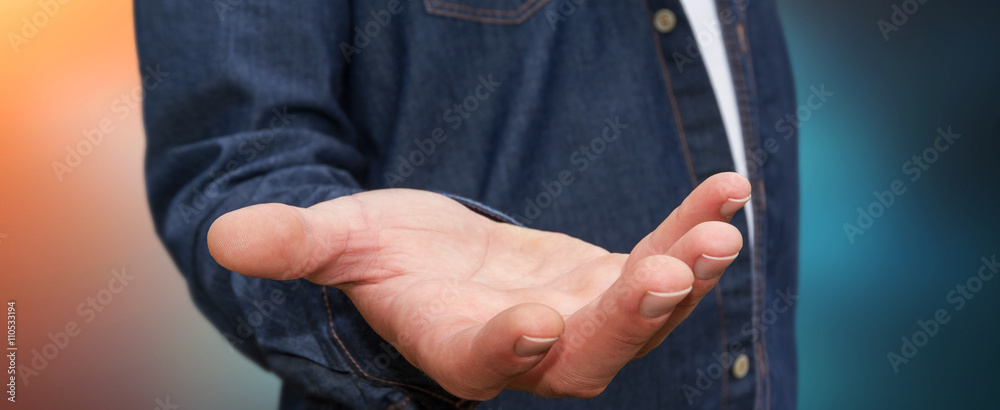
<point>716,199</point>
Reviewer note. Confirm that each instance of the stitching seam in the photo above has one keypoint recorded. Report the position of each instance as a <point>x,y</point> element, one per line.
<point>481,10</point>
<point>673,100</point>
<point>485,15</point>
<point>723,338</point>
<point>329,315</point>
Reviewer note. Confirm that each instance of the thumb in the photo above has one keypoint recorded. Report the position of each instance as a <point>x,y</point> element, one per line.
<point>277,241</point>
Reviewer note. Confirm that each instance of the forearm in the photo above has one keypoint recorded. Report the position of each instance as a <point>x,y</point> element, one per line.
<point>241,120</point>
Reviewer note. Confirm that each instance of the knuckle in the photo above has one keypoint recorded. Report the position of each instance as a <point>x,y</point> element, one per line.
<point>573,383</point>
<point>474,394</point>
<point>718,228</point>
<point>630,342</point>
<point>577,390</point>
<point>459,384</point>
<point>692,299</point>
<point>687,211</point>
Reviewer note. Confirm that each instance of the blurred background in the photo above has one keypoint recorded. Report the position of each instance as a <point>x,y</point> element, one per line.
<point>104,319</point>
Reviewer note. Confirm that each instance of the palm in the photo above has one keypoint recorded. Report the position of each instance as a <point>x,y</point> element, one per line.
<point>448,286</point>
<point>436,247</point>
<point>435,263</point>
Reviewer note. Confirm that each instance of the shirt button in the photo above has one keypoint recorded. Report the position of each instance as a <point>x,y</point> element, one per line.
<point>664,20</point>
<point>741,366</point>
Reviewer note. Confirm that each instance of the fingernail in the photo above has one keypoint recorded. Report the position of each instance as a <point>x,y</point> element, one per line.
<point>704,266</point>
<point>656,304</point>
<point>732,205</point>
<point>528,346</point>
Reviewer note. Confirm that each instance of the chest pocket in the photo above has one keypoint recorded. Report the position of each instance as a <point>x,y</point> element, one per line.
<point>508,12</point>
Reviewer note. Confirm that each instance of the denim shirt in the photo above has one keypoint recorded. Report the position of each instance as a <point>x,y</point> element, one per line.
<point>576,116</point>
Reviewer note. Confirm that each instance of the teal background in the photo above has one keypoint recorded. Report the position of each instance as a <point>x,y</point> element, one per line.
<point>857,300</point>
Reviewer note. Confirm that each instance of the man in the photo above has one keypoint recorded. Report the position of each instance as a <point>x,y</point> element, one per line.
<point>533,151</point>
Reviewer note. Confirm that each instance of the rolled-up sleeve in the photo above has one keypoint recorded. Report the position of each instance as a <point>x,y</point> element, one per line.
<point>246,108</point>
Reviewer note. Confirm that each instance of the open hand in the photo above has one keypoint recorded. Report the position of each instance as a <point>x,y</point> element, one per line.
<point>481,306</point>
